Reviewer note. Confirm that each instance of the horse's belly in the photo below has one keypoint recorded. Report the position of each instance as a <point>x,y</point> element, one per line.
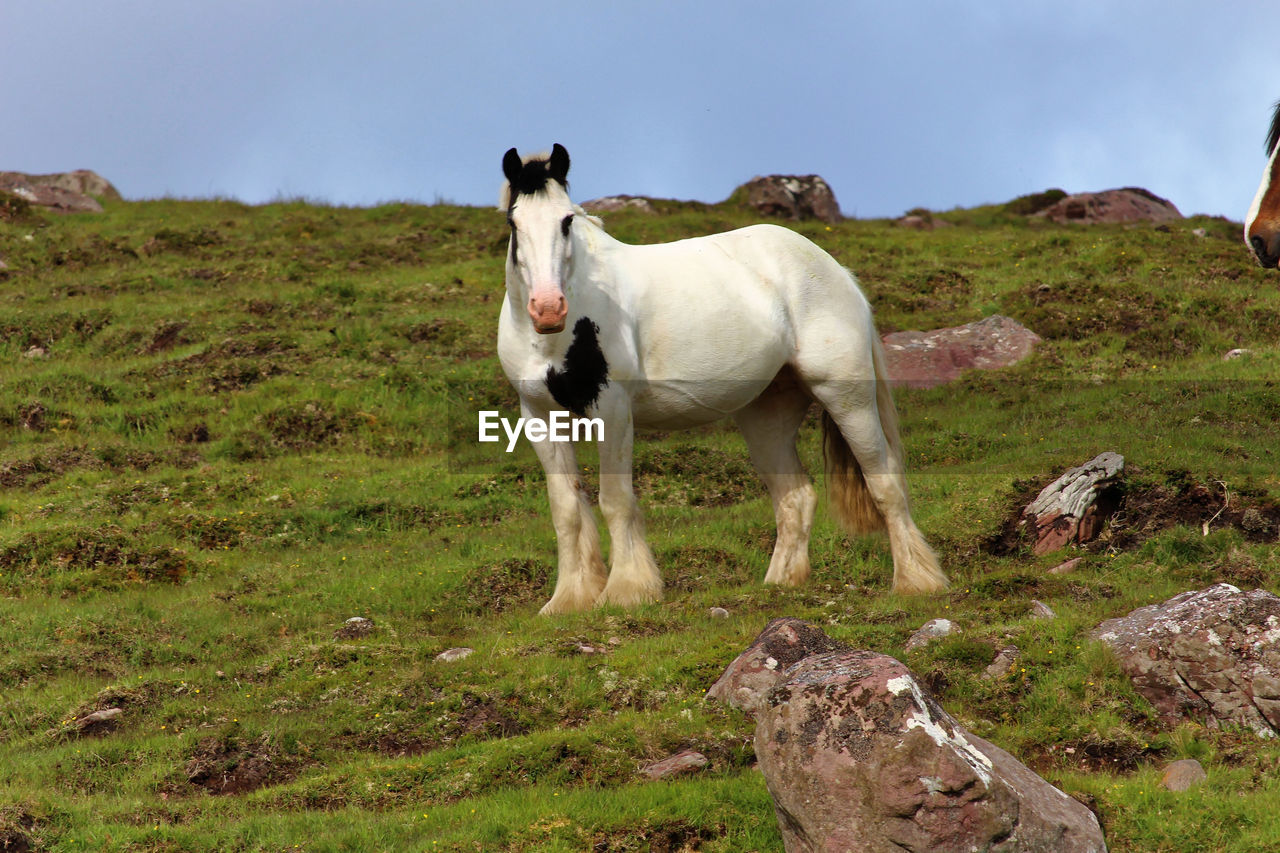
<point>683,404</point>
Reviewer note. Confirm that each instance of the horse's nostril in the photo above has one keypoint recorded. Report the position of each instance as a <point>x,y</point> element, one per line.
<point>1259,245</point>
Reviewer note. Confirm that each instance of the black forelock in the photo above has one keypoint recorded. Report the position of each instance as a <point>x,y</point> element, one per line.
<point>533,179</point>
<point>1273,135</point>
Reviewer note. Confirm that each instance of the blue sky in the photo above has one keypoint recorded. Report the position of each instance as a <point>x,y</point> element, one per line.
<point>898,104</point>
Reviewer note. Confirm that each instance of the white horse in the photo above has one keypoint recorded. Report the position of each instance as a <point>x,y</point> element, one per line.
<point>1262,224</point>
<point>752,324</point>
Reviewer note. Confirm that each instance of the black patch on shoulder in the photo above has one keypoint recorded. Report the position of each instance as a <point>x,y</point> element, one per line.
<point>578,384</point>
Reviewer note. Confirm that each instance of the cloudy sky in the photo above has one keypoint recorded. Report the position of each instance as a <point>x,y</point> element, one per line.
<point>897,103</point>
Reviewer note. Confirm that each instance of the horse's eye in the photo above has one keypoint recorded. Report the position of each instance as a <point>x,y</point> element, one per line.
<point>565,223</point>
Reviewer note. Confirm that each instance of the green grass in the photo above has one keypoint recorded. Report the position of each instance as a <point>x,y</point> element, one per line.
<point>227,429</point>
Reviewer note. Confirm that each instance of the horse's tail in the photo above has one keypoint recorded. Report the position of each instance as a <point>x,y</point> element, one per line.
<point>847,491</point>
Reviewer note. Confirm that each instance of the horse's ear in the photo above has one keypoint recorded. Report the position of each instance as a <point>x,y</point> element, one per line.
<point>558,166</point>
<point>511,166</point>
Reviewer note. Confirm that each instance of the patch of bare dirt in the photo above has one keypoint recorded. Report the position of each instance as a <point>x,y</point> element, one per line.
<point>498,587</point>
<point>1145,510</point>
<point>674,837</point>
<point>230,765</point>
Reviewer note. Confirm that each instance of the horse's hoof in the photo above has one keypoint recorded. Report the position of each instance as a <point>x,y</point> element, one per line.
<point>631,595</point>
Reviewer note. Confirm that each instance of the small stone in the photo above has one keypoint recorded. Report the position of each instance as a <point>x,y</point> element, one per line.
<point>678,764</point>
<point>1200,232</point>
<point>588,649</point>
<point>1067,567</point>
<point>1004,662</point>
<point>449,655</point>
<point>1184,774</point>
<point>99,722</point>
<point>718,613</point>
<point>356,626</point>
<point>35,352</point>
<point>932,630</point>
<point>220,674</point>
<point>1040,610</point>
<point>1236,353</point>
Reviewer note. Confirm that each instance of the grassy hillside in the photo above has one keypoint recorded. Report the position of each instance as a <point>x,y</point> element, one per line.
<point>229,429</point>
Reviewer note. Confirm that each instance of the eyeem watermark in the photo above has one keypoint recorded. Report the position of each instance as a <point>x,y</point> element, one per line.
<point>561,426</point>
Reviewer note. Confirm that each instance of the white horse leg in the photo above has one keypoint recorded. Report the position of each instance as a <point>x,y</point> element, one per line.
<point>853,407</point>
<point>633,573</point>
<point>580,572</point>
<point>769,424</point>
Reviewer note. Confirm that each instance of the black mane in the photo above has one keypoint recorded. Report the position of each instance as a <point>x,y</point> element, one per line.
<point>1273,135</point>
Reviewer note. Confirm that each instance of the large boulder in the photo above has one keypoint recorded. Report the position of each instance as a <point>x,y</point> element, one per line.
<point>1212,654</point>
<point>929,359</point>
<point>793,197</point>
<point>1073,508</point>
<point>859,756</point>
<point>1130,204</point>
<point>614,203</point>
<point>65,192</point>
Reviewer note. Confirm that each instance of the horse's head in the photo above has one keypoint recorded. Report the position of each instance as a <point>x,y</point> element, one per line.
<point>1262,227</point>
<point>540,215</point>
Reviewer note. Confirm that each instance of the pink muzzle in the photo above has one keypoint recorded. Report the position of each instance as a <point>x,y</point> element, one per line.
<point>548,310</point>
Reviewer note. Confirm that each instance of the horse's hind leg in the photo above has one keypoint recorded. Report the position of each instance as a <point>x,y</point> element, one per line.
<point>877,467</point>
<point>580,574</point>
<point>769,425</point>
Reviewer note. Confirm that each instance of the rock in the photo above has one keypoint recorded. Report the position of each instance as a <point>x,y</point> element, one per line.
<point>746,683</point>
<point>99,722</point>
<point>921,222</point>
<point>718,613</point>
<point>682,763</point>
<point>449,655</point>
<point>82,181</point>
<point>1073,508</point>
<point>1184,774</point>
<point>793,197</point>
<point>1131,204</point>
<point>36,351</point>
<point>1004,663</point>
<point>929,359</point>
<point>356,626</point>
<point>1200,232</point>
<point>1067,567</point>
<point>612,203</point>
<point>588,649</point>
<point>67,192</point>
<point>1236,353</point>
<point>857,755</point>
<point>1211,654</point>
<point>932,630</point>
<point>1040,610</point>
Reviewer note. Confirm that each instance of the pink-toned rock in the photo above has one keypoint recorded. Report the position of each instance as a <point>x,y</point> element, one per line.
<point>1131,204</point>
<point>681,763</point>
<point>48,191</point>
<point>1066,568</point>
<point>1073,508</point>
<point>929,359</point>
<point>1211,654</point>
<point>613,203</point>
<point>99,722</point>
<point>792,197</point>
<point>859,756</point>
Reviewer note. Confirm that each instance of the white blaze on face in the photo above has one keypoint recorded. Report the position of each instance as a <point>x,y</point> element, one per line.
<point>543,250</point>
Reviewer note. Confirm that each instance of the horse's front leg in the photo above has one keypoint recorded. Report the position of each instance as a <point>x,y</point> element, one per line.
<point>580,575</point>
<point>633,574</point>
